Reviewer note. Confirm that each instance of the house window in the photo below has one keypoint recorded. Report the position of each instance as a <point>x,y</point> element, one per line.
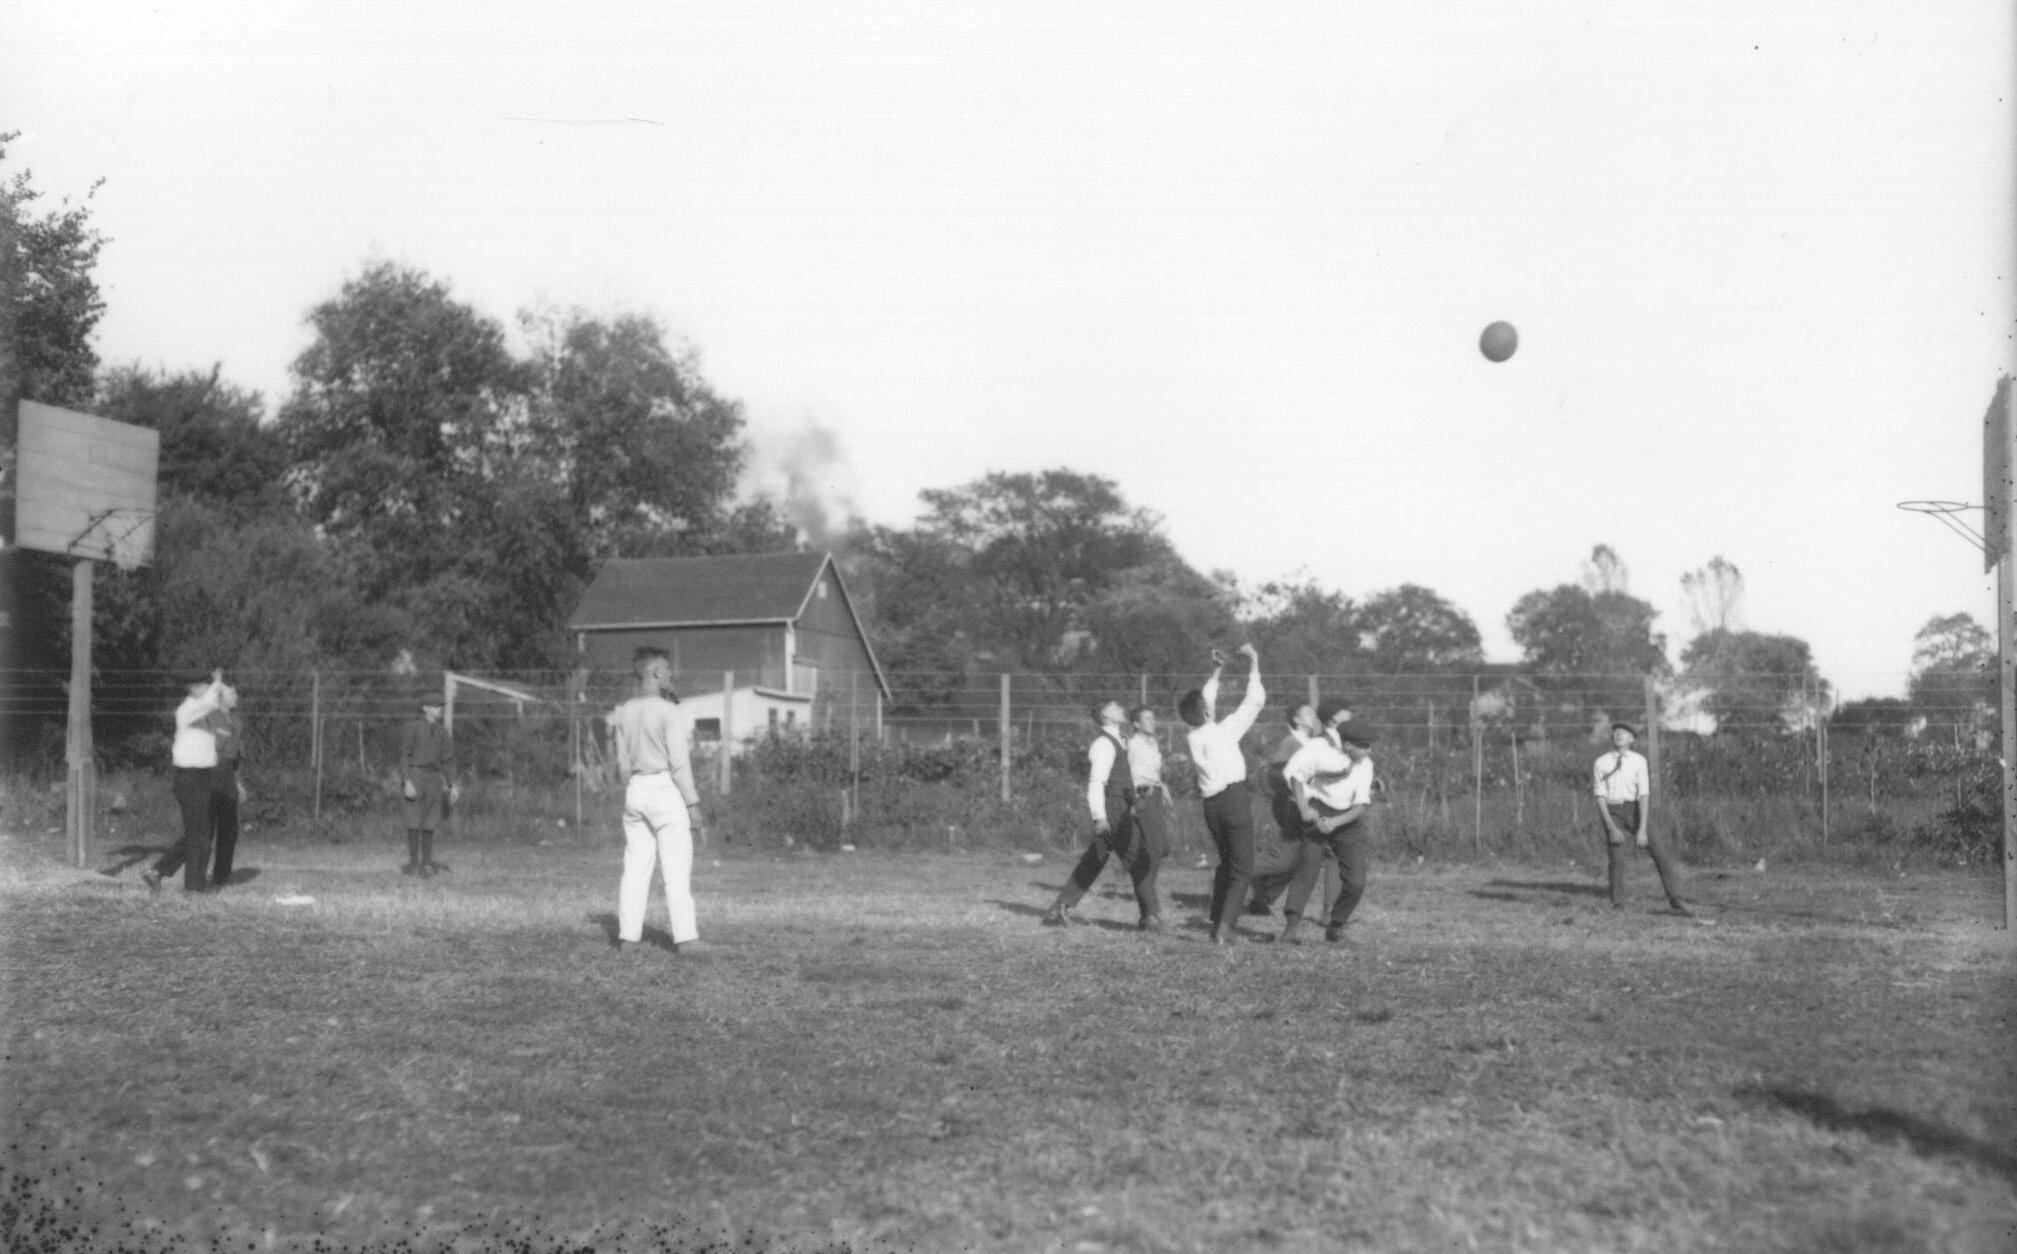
<point>773,720</point>
<point>790,717</point>
<point>707,729</point>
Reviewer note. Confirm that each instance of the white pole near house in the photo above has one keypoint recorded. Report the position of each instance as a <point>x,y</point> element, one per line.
<point>721,777</point>
<point>81,784</point>
<point>854,738</point>
<point>1006,731</point>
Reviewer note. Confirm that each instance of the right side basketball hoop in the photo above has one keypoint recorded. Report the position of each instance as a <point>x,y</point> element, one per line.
<point>1997,551</point>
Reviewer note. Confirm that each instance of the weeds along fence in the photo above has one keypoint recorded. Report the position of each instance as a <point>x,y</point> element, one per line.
<point>1487,764</point>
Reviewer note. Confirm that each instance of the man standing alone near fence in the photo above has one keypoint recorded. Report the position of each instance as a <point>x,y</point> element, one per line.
<point>661,806</point>
<point>1110,799</point>
<point>1222,782</point>
<point>1624,790</point>
<point>427,784</point>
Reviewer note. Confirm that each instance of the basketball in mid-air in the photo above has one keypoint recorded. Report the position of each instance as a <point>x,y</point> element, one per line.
<point>1498,341</point>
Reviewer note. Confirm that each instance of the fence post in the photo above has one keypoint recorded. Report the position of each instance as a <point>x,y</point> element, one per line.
<point>1311,689</point>
<point>854,739</point>
<point>721,777</point>
<point>1519,787</point>
<point>1145,689</point>
<point>1006,731</point>
<point>574,747</point>
<point>1477,771</point>
<point>1821,732</point>
<point>1653,751</point>
<point>315,735</point>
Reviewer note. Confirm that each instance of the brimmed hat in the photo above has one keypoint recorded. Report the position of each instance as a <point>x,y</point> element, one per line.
<point>1621,724</point>
<point>1356,733</point>
<point>1330,707</point>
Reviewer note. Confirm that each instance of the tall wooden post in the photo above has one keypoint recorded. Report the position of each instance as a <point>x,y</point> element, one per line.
<point>1006,732</point>
<point>79,758</point>
<point>1477,771</point>
<point>854,740</point>
<point>1311,688</point>
<point>2006,636</point>
<point>1660,799</point>
<point>574,747</point>
<point>315,736</point>
<point>721,778</point>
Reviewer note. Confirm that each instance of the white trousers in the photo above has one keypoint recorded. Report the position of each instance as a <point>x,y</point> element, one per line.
<point>656,831</point>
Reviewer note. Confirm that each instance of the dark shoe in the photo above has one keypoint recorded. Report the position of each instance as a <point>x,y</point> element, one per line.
<point>1334,933</point>
<point>629,951</point>
<point>411,868</point>
<point>1154,923</point>
<point>1226,936</point>
<point>1055,917</point>
<point>1681,908</point>
<point>1289,934</point>
<point>434,868</point>
<point>151,878</point>
<point>1257,906</point>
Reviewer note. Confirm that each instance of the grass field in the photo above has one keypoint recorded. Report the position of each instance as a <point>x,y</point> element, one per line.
<point>875,1053</point>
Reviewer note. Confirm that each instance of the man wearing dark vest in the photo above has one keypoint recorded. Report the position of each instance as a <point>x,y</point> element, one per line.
<point>427,783</point>
<point>1110,796</point>
<point>226,788</point>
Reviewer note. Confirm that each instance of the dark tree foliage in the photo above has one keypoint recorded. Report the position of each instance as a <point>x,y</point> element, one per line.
<point>1752,681</point>
<point>1413,629</point>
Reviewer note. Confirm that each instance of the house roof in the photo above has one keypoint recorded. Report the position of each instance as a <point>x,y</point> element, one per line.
<point>741,590</point>
<point>697,591</point>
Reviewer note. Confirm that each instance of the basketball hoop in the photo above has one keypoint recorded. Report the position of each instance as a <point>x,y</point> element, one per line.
<point>1947,514</point>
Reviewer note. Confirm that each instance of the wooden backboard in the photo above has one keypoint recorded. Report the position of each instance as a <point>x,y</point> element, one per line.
<point>85,485</point>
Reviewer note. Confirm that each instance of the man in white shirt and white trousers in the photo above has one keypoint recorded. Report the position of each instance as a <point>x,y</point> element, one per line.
<point>1624,789</point>
<point>661,806</point>
<point>1222,783</point>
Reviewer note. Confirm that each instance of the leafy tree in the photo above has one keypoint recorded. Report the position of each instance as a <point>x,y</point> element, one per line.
<point>214,449</point>
<point>647,452</point>
<point>1754,682</point>
<point>1412,628</point>
<point>1715,595</point>
<point>1298,626</point>
<point>1955,681</point>
<point>998,572</point>
<point>1593,639</point>
<point>49,298</point>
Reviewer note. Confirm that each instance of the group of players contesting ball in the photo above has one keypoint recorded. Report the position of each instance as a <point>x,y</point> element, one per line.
<point>1319,780</point>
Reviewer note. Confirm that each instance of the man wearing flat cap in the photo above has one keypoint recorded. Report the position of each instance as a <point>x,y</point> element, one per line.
<point>426,783</point>
<point>1332,782</point>
<point>1276,863</point>
<point>1625,805</point>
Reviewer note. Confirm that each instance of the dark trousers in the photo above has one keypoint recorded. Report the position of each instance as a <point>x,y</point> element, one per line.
<point>192,856</point>
<point>1277,861</point>
<point>1351,845</point>
<point>1229,817</point>
<point>1126,839</point>
<point>223,821</point>
<point>1626,816</point>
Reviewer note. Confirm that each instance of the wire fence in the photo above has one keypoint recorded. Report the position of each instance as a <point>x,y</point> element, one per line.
<point>1465,760</point>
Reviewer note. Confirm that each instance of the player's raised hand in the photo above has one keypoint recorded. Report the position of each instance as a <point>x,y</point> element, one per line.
<point>1250,653</point>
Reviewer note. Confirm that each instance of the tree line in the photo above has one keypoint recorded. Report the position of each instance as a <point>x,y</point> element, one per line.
<point>434,484</point>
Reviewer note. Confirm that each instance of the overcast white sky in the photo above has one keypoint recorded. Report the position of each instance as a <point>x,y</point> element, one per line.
<point>1234,256</point>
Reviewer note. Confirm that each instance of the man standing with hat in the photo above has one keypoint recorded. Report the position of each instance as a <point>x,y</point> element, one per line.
<point>427,783</point>
<point>1624,789</point>
<point>1332,782</point>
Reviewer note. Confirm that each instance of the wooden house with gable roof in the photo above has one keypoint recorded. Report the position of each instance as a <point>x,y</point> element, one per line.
<point>782,624</point>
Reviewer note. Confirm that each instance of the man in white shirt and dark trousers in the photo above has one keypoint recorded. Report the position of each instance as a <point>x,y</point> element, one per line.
<point>1222,782</point>
<point>661,806</point>
<point>1624,789</point>
<point>1110,798</point>
<point>1331,779</point>
<point>194,759</point>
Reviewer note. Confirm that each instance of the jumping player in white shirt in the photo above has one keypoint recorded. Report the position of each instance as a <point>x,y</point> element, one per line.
<point>1222,782</point>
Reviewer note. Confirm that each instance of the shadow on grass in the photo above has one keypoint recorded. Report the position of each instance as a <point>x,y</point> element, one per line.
<point>1547,886</point>
<point>241,875</point>
<point>125,857</point>
<point>1923,1136</point>
<point>1037,912</point>
<point>654,937</point>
